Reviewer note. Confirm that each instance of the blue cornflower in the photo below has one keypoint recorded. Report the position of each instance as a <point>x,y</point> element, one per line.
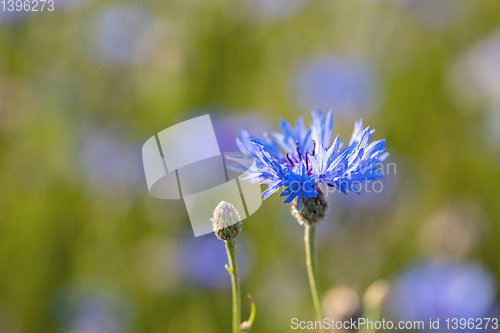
<point>299,158</point>
<point>442,288</point>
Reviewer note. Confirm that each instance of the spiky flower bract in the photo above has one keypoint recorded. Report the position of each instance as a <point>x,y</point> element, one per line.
<point>299,158</point>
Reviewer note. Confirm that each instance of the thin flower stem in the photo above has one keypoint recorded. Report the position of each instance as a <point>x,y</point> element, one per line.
<point>312,272</point>
<point>235,283</point>
<point>246,325</point>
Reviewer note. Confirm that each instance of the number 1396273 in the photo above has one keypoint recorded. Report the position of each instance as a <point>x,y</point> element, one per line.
<point>27,5</point>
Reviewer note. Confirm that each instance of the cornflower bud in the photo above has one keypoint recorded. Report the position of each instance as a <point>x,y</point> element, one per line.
<point>226,221</point>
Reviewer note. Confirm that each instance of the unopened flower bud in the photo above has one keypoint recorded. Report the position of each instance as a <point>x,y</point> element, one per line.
<point>226,221</point>
<point>312,210</point>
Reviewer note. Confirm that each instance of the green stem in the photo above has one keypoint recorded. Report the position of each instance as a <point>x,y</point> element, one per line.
<point>246,325</point>
<point>373,315</point>
<point>312,272</point>
<point>235,283</point>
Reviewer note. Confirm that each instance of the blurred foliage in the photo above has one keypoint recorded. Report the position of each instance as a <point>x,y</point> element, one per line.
<point>68,228</point>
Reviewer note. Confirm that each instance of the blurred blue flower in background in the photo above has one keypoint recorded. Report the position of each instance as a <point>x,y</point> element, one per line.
<point>11,16</point>
<point>299,158</point>
<point>264,11</point>
<point>92,315</point>
<point>436,14</point>
<point>110,163</point>
<point>474,81</point>
<point>349,86</point>
<point>475,76</point>
<point>84,310</point>
<point>442,288</point>
<point>226,127</point>
<point>69,4</point>
<point>123,34</point>
<point>201,261</point>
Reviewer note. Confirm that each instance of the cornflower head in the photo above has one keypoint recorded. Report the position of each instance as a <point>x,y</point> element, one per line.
<point>305,161</point>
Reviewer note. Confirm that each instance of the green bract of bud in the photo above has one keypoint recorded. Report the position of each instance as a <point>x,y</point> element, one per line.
<point>226,221</point>
<point>312,210</point>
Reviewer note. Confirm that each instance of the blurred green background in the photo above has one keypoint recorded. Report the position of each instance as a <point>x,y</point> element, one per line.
<point>85,248</point>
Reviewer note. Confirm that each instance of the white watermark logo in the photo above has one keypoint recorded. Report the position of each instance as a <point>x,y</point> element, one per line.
<point>433,324</point>
<point>184,162</point>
